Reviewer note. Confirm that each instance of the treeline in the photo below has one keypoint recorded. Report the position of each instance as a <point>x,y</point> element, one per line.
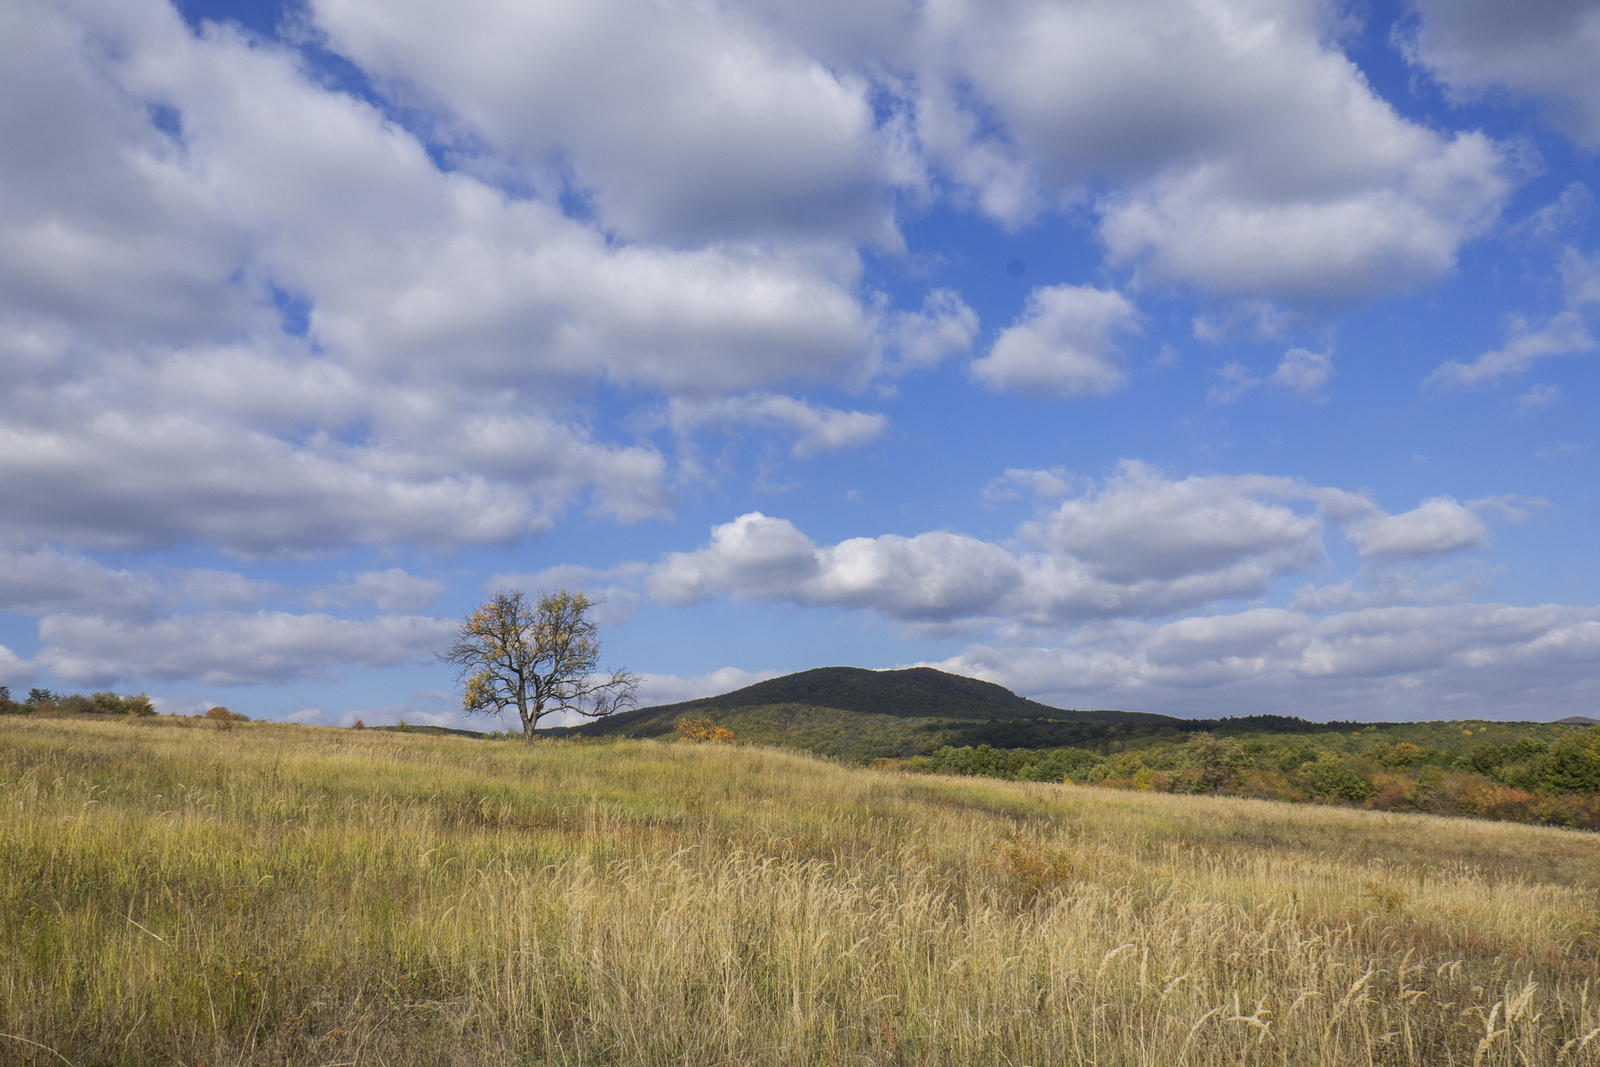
<point>1529,779</point>
<point>44,702</point>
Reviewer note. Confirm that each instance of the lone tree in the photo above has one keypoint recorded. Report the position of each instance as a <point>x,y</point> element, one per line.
<point>539,659</point>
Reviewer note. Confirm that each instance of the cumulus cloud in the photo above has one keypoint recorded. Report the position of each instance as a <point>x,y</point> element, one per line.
<point>1396,663</point>
<point>1301,372</point>
<point>1544,52</point>
<point>1016,482</point>
<point>944,327</point>
<point>1137,545</point>
<point>1564,334</point>
<point>230,648</point>
<point>611,589</point>
<point>1304,372</point>
<point>1433,528</point>
<point>816,428</point>
<point>14,670</point>
<point>118,482</point>
<point>323,338</point>
<point>45,580</point>
<point>1208,226</point>
<point>680,122</point>
<point>388,590</point>
<point>1063,345</point>
<point>671,689</point>
<point>1246,154</point>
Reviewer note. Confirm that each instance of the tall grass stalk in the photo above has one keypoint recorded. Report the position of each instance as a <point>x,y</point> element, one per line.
<point>170,893</point>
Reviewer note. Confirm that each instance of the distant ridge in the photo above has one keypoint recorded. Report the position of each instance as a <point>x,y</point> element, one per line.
<point>1578,720</point>
<point>913,693</point>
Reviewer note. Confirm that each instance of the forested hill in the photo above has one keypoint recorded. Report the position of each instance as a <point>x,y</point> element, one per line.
<point>914,693</point>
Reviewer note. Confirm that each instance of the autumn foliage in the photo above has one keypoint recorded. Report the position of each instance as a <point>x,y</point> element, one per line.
<point>693,730</point>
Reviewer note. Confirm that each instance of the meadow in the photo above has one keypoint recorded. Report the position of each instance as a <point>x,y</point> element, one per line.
<point>174,891</point>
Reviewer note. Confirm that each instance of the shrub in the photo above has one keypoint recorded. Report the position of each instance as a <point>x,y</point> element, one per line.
<point>1332,779</point>
<point>108,703</point>
<point>225,718</point>
<point>1405,754</point>
<point>1573,764</point>
<point>692,730</point>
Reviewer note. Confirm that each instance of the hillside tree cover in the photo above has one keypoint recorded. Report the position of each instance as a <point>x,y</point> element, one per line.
<point>105,702</point>
<point>538,658</point>
<point>1410,767</point>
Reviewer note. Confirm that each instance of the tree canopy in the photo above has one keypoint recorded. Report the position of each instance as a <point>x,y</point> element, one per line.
<point>537,657</point>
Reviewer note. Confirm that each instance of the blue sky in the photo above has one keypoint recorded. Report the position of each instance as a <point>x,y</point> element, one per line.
<point>1205,359</point>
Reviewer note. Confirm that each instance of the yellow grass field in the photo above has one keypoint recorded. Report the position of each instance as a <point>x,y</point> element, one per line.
<point>172,893</point>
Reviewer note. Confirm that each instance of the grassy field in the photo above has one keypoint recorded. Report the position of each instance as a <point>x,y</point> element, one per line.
<point>172,893</point>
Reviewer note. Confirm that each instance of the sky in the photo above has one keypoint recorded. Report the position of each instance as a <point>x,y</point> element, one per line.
<point>1205,358</point>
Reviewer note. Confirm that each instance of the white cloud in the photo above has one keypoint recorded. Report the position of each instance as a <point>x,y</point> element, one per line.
<point>1562,215</point>
<point>1301,372</point>
<point>1564,334</point>
<point>670,689</point>
<point>1395,663</point>
<point>1513,508</point>
<point>389,590</point>
<point>1304,372</point>
<point>1015,482</point>
<point>1580,276</point>
<point>444,320</point>
<point>1545,51</point>
<point>754,557</point>
<point>680,122</point>
<point>14,670</point>
<point>1210,226</point>
<point>1435,527</point>
<point>610,589</point>
<point>817,428</point>
<point>1388,586</point>
<point>231,648</point>
<point>1244,152</point>
<point>1537,398</point>
<point>1063,345</point>
<point>115,481</point>
<point>1234,380</point>
<point>944,327</point>
<point>1140,524</point>
<point>44,580</point>
<point>1138,545</point>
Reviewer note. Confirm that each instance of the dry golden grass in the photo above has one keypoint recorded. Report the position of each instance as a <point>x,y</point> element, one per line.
<point>174,894</point>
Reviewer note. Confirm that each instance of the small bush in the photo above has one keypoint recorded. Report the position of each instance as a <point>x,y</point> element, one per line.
<point>108,703</point>
<point>694,730</point>
<point>225,718</point>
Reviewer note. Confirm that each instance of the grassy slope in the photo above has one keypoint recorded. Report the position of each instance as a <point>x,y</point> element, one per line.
<point>173,893</point>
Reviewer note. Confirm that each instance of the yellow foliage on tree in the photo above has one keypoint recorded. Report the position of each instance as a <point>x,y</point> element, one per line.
<point>537,658</point>
<point>691,730</point>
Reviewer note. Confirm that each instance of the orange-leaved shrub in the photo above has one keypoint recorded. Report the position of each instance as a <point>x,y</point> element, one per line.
<point>691,730</point>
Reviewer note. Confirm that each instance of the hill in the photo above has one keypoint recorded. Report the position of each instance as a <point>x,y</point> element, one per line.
<point>862,714</point>
<point>272,893</point>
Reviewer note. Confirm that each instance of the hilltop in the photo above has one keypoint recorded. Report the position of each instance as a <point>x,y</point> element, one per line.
<point>862,714</point>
